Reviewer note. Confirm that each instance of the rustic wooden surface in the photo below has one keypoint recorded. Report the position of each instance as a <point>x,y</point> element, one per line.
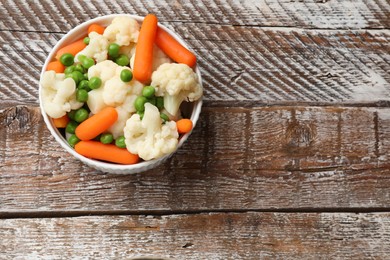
<point>290,158</point>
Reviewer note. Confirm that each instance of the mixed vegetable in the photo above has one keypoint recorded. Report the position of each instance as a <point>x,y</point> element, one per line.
<point>117,92</point>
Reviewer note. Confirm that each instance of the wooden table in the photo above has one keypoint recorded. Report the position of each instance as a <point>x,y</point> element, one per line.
<point>290,158</point>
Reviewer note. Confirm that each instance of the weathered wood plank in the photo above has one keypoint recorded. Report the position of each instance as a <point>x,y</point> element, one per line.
<point>237,158</point>
<point>242,64</point>
<point>201,236</point>
<point>51,16</point>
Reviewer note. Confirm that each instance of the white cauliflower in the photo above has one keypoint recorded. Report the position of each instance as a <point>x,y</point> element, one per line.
<point>123,30</point>
<point>96,49</point>
<point>176,83</point>
<point>95,100</point>
<point>149,138</point>
<point>159,58</point>
<point>128,50</point>
<point>126,109</point>
<point>105,70</point>
<point>113,91</point>
<point>117,128</point>
<point>58,94</point>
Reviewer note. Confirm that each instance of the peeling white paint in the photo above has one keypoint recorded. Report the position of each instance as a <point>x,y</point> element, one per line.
<point>377,89</point>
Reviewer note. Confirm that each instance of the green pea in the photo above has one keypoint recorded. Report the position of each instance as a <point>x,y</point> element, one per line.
<point>81,115</point>
<point>164,117</point>
<point>152,100</point>
<point>73,140</point>
<point>82,95</point>
<point>139,103</point>
<point>71,114</point>
<point>141,114</point>
<point>120,142</point>
<point>79,67</point>
<point>122,60</point>
<point>160,102</point>
<point>87,108</point>
<point>148,91</point>
<point>84,84</point>
<point>86,40</point>
<point>81,57</point>
<point>113,50</point>
<point>67,59</point>
<point>106,138</point>
<point>71,127</point>
<point>95,83</point>
<point>77,76</point>
<point>126,75</point>
<point>69,69</point>
<point>87,62</point>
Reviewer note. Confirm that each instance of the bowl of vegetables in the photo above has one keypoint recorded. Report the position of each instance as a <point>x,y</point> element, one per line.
<point>121,93</point>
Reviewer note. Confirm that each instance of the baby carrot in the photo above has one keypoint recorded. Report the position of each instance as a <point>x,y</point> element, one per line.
<point>56,65</point>
<point>105,152</point>
<point>73,48</point>
<point>184,125</point>
<point>97,124</point>
<point>174,49</point>
<point>61,122</point>
<point>143,60</point>
<point>96,28</point>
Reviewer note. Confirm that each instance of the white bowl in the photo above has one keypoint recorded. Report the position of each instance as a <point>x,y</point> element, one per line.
<point>77,33</point>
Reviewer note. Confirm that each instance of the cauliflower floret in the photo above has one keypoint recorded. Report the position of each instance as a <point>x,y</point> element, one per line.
<point>96,49</point>
<point>58,94</point>
<point>122,30</point>
<point>159,58</point>
<point>117,128</point>
<point>113,91</point>
<point>176,83</point>
<point>105,70</point>
<point>149,138</point>
<point>128,103</point>
<point>126,109</point>
<point>136,87</point>
<point>95,100</point>
<point>128,50</point>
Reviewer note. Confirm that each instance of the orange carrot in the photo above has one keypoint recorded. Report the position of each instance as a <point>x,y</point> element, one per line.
<point>61,122</point>
<point>143,60</point>
<point>96,28</point>
<point>97,124</point>
<point>106,152</point>
<point>57,66</point>
<point>184,125</point>
<point>72,48</point>
<point>174,49</point>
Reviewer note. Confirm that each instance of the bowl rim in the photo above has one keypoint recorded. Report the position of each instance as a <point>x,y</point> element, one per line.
<point>101,165</point>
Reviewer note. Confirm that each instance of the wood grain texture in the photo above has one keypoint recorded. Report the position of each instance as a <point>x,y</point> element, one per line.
<point>263,51</point>
<point>243,64</point>
<point>201,236</point>
<point>237,159</point>
<point>296,123</point>
<point>50,16</point>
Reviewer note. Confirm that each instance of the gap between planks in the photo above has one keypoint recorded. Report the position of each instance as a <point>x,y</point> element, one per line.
<point>88,213</point>
<point>286,104</point>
